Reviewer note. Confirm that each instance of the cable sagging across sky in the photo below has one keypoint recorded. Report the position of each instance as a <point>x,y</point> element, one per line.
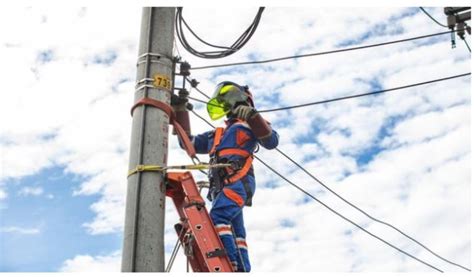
<point>432,18</point>
<point>320,53</point>
<point>223,51</point>
<point>333,192</point>
<point>331,209</point>
<point>350,96</point>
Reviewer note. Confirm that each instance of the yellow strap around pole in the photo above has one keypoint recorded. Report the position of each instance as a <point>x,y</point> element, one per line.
<point>157,168</point>
<point>142,167</point>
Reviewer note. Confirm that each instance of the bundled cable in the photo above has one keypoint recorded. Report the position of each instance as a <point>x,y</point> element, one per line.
<point>223,51</point>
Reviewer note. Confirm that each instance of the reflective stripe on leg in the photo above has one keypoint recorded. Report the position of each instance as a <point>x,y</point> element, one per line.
<point>241,243</point>
<point>223,229</point>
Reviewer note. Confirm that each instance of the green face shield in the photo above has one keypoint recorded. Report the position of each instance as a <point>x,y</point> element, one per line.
<point>224,98</point>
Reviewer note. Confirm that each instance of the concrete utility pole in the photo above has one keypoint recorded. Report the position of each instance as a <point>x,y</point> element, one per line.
<point>143,245</point>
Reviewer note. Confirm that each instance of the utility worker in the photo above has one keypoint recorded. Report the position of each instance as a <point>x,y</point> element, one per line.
<point>233,187</point>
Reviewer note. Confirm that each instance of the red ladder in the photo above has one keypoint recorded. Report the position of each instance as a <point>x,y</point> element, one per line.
<point>195,231</point>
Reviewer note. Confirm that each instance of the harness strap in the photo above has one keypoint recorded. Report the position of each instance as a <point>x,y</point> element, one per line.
<point>217,139</point>
<point>234,151</point>
<point>188,146</point>
<point>234,176</point>
<point>241,173</point>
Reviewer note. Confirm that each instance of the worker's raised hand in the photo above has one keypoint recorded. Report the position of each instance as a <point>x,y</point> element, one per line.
<point>244,112</point>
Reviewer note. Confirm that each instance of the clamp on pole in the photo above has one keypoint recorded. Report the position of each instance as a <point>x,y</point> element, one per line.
<point>154,58</point>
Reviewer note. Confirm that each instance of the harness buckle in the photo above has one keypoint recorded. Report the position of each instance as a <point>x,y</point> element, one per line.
<point>236,165</point>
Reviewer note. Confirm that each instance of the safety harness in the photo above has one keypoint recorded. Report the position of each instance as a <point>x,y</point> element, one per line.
<point>238,170</point>
<point>220,175</point>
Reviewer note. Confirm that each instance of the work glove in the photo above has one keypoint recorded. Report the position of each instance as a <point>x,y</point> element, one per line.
<point>244,112</point>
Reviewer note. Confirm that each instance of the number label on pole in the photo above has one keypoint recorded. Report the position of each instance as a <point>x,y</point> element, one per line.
<point>162,81</point>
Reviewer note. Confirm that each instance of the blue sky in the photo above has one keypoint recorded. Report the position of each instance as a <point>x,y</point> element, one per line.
<point>402,156</point>
<point>57,215</point>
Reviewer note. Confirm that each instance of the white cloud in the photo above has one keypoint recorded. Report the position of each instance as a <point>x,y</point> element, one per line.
<point>20,230</point>
<point>87,263</point>
<point>31,191</point>
<point>3,194</point>
<point>75,114</point>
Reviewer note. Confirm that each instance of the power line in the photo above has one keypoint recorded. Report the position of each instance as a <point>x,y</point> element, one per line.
<point>194,84</point>
<point>350,96</point>
<point>312,176</point>
<point>432,18</point>
<point>201,101</point>
<point>320,53</point>
<point>332,210</point>
<point>365,94</point>
<point>379,221</point>
<point>223,51</point>
<point>445,26</point>
<point>345,218</point>
<point>354,206</point>
<point>365,213</point>
<point>467,45</point>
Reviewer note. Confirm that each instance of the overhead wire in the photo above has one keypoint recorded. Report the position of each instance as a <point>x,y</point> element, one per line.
<point>331,209</point>
<point>333,100</point>
<point>351,204</point>
<point>367,214</point>
<point>432,18</point>
<point>467,45</point>
<point>224,50</point>
<point>194,86</point>
<point>346,97</point>
<point>445,26</point>
<point>365,94</point>
<point>320,53</point>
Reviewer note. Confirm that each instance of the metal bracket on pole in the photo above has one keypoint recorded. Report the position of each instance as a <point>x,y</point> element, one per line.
<point>153,58</point>
<point>456,21</point>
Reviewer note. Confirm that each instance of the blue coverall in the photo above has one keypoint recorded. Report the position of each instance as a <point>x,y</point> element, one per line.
<point>226,212</point>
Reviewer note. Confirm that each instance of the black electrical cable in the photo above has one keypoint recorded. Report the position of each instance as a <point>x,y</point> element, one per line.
<point>203,119</point>
<point>320,53</point>
<point>377,92</point>
<point>194,85</point>
<point>198,37</point>
<point>346,201</point>
<point>365,213</point>
<point>467,45</point>
<point>223,51</point>
<point>343,199</point>
<point>345,218</point>
<point>365,94</point>
<point>201,101</point>
<point>445,26</point>
<point>331,209</point>
<point>350,96</point>
<point>432,18</point>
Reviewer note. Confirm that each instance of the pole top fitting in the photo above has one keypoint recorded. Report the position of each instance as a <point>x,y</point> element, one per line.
<point>184,68</point>
<point>194,83</point>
